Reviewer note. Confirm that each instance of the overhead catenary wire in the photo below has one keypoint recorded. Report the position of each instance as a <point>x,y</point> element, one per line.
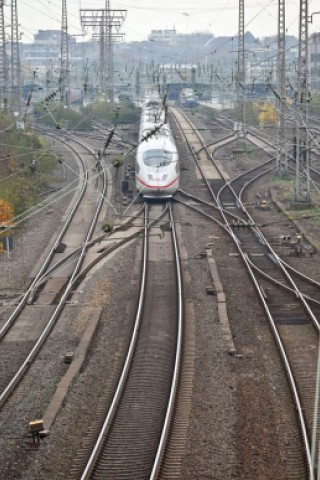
<point>246,25</point>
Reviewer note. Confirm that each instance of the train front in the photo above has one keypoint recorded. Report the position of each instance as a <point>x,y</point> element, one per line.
<point>157,168</point>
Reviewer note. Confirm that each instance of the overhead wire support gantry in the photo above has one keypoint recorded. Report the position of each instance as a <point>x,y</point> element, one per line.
<point>107,23</point>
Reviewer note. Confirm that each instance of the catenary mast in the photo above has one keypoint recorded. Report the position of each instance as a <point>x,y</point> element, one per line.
<point>15,92</point>
<point>109,52</point>
<point>3,61</point>
<point>282,164</point>
<point>64,60</point>
<point>302,153</point>
<point>241,71</point>
<point>102,51</point>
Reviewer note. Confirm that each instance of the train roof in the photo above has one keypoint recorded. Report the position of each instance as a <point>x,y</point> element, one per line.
<point>158,142</point>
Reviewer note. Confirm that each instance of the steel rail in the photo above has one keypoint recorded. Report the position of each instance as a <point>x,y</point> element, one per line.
<point>128,360</point>
<point>313,282</point>
<point>261,272</point>
<point>282,267</point>
<point>279,284</point>
<point>264,241</point>
<point>271,321</point>
<point>99,238</point>
<point>55,315</point>
<point>278,340</point>
<point>177,362</point>
<point>209,204</point>
<point>122,242</point>
<point>194,153</point>
<point>304,277</point>
<point>52,251</point>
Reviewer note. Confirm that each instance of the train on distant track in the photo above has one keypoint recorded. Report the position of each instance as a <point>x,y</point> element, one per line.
<point>188,98</point>
<point>157,168</point>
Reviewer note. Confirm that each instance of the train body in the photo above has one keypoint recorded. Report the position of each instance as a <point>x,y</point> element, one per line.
<point>157,169</point>
<point>188,98</point>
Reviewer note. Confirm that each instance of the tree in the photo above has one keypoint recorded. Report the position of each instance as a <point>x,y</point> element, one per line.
<point>268,114</point>
<point>6,212</point>
<point>6,216</point>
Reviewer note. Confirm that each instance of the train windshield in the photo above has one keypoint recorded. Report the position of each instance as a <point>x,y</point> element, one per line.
<point>157,158</point>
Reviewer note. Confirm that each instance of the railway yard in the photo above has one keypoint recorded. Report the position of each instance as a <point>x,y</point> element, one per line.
<point>217,290</point>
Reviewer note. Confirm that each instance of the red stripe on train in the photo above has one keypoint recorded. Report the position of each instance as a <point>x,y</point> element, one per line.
<point>157,186</point>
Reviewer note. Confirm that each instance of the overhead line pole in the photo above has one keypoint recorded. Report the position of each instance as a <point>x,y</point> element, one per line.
<point>109,52</point>
<point>241,72</point>
<point>64,61</point>
<point>302,157</point>
<point>3,61</point>
<point>15,93</point>
<point>102,52</point>
<point>282,162</point>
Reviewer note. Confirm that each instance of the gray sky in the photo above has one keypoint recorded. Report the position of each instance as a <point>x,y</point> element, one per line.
<point>219,17</point>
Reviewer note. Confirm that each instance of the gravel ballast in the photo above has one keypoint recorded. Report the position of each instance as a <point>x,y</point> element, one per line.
<point>237,425</point>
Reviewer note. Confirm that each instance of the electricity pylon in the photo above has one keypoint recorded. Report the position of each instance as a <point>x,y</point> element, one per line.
<point>108,23</point>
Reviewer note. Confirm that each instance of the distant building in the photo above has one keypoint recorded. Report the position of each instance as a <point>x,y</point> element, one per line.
<point>51,37</point>
<point>162,35</point>
<point>41,60</point>
<point>314,47</point>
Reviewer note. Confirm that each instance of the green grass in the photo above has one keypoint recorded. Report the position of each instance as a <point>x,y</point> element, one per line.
<point>312,213</point>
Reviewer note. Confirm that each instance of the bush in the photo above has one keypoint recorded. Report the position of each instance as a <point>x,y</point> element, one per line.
<point>251,113</point>
<point>19,185</point>
<point>60,117</point>
<point>110,113</point>
<point>315,105</point>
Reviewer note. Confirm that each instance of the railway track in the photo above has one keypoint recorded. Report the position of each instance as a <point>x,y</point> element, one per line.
<point>132,433</point>
<point>54,291</point>
<point>290,300</point>
<point>226,209</point>
<point>64,266</point>
<point>72,255</point>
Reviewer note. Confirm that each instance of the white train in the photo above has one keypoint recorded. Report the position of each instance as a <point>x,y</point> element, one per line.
<point>157,161</point>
